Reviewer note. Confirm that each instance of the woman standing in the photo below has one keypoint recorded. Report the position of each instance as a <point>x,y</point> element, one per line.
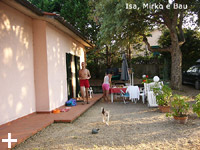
<point>106,86</point>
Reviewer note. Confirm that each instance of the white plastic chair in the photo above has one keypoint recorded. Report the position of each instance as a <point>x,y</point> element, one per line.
<point>124,96</point>
<point>151,98</point>
<point>145,89</point>
<point>90,91</point>
<point>142,94</point>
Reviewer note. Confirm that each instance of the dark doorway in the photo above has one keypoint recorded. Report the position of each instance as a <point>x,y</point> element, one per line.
<point>69,75</point>
<point>77,68</point>
<point>70,87</point>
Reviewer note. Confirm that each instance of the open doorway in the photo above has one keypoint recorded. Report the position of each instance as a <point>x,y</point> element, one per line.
<point>72,88</point>
<point>77,68</point>
<point>69,75</point>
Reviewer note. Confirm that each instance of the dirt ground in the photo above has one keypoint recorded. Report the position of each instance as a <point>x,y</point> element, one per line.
<point>132,127</point>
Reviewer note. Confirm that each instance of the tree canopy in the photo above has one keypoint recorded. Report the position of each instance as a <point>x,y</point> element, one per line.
<point>76,12</point>
<point>123,21</point>
<point>113,25</point>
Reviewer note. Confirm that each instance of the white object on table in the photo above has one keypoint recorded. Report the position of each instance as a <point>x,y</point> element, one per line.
<point>156,78</point>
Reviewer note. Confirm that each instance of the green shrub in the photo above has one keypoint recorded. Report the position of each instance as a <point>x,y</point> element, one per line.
<point>179,106</point>
<point>163,96</point>
<point>196,106</point>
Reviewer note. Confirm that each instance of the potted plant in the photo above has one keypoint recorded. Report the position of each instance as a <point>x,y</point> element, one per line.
<point>196,106</point>
<point>163,97</point>
<point>179,109</point>
<point>145,79</point>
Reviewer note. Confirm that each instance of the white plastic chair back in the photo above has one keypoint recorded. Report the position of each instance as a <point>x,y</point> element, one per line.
<point>142,94</point>
<point>90,92</point>
<point>145,89</point>
<point>148,92</point>
<point>151,98</point>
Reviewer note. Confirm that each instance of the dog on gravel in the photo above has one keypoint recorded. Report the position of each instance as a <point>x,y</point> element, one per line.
<point>105,116</point>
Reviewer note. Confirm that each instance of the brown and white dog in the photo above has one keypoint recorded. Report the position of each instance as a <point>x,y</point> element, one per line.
<point>105,116</point>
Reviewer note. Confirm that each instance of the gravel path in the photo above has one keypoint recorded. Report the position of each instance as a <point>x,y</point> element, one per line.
<point>132,126</point>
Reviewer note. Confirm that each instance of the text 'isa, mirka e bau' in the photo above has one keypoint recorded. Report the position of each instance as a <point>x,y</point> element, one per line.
<point>157,6</point>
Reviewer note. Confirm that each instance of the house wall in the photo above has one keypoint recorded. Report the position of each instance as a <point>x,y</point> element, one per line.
<point>17,94</point>
<point>153,41</point>
<point>58,44</point>
<point>40,66</point>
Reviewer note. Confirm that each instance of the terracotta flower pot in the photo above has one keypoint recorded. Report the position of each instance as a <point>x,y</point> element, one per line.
<point>181,120</point>
<point>164,109</point>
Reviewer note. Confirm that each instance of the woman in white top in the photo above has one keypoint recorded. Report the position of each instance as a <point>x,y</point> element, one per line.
<point>106,86</point>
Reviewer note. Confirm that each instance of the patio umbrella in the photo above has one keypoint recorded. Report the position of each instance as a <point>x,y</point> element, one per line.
<point>124,73</point>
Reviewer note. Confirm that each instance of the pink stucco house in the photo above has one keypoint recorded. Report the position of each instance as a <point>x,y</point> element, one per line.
<point>40,54</point>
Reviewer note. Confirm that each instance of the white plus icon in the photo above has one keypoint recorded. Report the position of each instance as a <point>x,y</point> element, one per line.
<point>9,140</point>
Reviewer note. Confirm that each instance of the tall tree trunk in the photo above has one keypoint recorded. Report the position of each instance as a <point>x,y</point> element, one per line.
<point>176,57</point>
<point>176,64</point>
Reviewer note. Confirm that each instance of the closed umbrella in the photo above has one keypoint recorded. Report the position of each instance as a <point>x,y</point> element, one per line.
<point>124,73</point>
